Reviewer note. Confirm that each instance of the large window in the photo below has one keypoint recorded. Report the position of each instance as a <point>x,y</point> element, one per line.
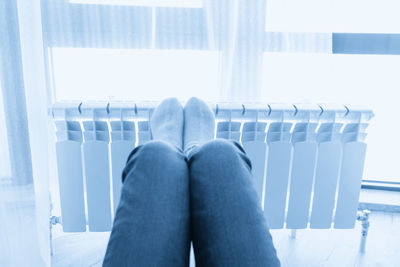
<point>353,16</point>
<point>83,74</point>
<point>270,51</point>
<point>368,80</point>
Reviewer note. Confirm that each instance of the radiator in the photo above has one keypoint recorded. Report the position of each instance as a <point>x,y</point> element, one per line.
<point>307,159</point>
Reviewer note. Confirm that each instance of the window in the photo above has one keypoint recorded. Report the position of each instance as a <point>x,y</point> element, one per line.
<point>362,16</point>
<point>370,80</point>
<point>129,74</point>
<point>214,48</point>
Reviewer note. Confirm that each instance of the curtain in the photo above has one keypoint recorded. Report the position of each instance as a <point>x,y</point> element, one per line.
<point>235,30</point>
<point>24,193</point>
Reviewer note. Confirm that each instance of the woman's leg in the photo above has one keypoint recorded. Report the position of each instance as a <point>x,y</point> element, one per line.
<point>228,225</point>
<point>152,222</point>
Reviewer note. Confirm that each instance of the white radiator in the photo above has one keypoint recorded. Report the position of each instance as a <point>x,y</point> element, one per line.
<point>308,160</point>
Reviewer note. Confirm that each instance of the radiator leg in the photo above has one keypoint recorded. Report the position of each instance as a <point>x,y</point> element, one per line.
<point>363,217</point>
<point>293,233</point>
<point>53,221</point>
<point>51,237</point>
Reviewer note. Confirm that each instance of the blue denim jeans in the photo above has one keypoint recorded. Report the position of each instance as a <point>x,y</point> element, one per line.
<point>169,199</point>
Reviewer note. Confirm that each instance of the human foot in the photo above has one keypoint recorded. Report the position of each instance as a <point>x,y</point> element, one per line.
<point>166,123</point>
<point>199,124</point>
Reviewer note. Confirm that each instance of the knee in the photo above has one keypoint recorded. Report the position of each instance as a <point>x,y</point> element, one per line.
<point>219,145</point>
<point>157,147</point>
<point>219,151</point>
<point>220,159</point>
<point>158,152</point>
<point>154,153</point>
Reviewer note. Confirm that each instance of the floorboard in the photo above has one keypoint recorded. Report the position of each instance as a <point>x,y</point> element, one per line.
<point>312,247</point>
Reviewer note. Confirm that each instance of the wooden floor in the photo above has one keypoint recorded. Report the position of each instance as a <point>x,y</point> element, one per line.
<point>310,248</point>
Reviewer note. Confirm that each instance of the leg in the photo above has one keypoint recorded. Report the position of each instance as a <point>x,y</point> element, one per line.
<point>151,226</point>
<point>228,225</point>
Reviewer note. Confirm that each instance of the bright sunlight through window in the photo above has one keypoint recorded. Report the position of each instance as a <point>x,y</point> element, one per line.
<point>129,74</point>
<point>368,80</point>
<point>369,16</point>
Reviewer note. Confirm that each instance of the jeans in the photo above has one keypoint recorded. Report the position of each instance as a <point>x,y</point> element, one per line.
<point>208,197</point>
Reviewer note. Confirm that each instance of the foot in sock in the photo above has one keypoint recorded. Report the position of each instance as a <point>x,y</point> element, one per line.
<point>166,123</point>
<point>199,124</point>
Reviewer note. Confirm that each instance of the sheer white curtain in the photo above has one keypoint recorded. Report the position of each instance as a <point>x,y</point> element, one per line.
<point>24,193</point>
<point>101,49</point>
<point>229,36</point>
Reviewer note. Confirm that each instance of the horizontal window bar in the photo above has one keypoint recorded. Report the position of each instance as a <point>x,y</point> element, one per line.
<point>381,182</point>
<point>366,43</point>
<point>380,185</point>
